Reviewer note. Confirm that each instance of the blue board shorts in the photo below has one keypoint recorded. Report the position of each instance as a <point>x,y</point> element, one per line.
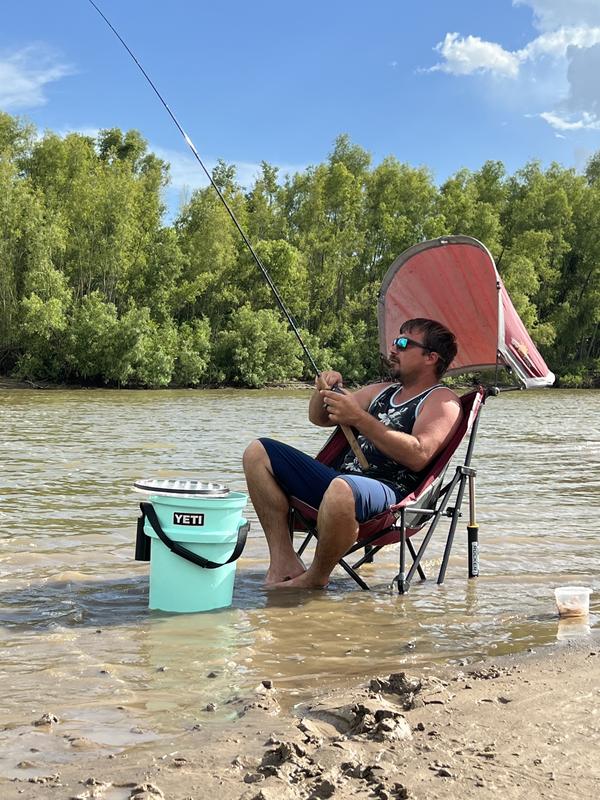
<point>303,477</point>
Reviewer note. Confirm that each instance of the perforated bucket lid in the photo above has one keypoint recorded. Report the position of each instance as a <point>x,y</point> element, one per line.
<point>182,487</point>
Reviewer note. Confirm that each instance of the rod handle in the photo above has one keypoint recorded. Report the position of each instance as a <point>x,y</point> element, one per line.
<point>348,433</point>
<point>473,544</point>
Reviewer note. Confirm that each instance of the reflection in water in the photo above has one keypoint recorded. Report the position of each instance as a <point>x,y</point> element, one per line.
<point>573,628</point>
<point>78,639</point>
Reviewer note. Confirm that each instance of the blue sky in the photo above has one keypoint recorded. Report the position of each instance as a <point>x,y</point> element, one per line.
<point>446,84</point>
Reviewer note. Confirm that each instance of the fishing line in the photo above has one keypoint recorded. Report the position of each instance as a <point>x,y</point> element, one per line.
<point>190,144</point>
<point>347,431</point>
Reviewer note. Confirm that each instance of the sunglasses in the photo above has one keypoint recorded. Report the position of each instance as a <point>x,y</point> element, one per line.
<point>402,342</point>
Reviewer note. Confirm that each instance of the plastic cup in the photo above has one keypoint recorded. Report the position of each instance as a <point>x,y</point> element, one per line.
<point>573,601</point>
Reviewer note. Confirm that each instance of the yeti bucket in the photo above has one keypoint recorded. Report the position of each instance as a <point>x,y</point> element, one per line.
<point>192,533</point>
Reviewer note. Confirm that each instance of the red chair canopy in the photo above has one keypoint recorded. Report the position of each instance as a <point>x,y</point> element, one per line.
<point>454,280</point>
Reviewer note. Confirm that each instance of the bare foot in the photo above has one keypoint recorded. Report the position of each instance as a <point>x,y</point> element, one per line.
<point>284,573</point>
<point>304,581</point>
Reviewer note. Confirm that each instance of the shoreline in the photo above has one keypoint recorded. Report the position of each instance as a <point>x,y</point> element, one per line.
<point>515,725</point>
<point>8,384</point>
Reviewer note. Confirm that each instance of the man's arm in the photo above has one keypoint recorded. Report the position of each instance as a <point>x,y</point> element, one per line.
<point>437,420</point>
<point>318,413</point>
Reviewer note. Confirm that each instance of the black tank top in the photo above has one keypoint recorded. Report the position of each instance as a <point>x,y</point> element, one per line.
<point>399,417</point>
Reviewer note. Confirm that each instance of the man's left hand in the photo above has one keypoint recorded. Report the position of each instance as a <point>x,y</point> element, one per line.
<point>342,407</point>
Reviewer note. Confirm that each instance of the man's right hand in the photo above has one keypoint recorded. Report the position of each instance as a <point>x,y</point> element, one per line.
<point>328,379</point>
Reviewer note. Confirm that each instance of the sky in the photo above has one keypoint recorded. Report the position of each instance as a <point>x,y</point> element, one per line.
<point>441,83</point>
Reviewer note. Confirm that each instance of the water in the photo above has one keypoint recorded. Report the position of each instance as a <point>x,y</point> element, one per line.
<point>79,641</point>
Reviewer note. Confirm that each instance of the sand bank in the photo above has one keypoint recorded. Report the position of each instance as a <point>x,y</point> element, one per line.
<point>516,727</point>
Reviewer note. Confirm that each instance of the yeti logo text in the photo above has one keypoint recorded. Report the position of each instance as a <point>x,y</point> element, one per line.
<point>188,519</point>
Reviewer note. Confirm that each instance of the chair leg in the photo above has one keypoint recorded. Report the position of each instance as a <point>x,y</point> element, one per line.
<point>447,493</point>
<point>367,558</point>
<point>413,554</point>
<point>401,576</point>
<point>473,545</point>
<point>473,532</point>
<point>305,543</point>
<point>452,530</point>
<point>310,532</point>
<point>353,574</point>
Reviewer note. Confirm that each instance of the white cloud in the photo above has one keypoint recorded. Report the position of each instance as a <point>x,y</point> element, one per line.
<point>561,123</point>
<point>553,14</point>
<point>186,173</point>
<point>186,176</point>
<point>582,74</point>
<point>24,75</point>
<point>81,130</point>
<point>469,54</point>
<point>556,43</point>
<point>465,55</point>
<point>557,69</point>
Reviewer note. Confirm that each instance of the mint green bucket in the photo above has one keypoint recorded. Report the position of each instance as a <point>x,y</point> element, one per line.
<point>208,528</point>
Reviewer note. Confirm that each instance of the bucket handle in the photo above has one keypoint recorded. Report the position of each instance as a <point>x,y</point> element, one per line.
<point>149,512</point>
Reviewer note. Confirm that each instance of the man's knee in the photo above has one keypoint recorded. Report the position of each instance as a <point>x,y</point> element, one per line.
<point>338,496</point>
<point>254,455</point>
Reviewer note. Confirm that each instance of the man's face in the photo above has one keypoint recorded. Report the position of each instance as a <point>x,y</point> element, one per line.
<point>408,355</point>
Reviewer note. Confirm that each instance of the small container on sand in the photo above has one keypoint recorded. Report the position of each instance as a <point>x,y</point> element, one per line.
<point>573,601</point>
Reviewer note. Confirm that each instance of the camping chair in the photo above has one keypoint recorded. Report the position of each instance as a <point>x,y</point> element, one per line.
<point>454,280</point>
<point>421,510</point>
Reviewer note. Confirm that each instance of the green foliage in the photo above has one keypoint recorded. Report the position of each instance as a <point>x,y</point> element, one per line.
<point>584,375</point>
<point>143,351</point>
<point>95,288</point>
<point>266,219</point>
<point>257,347</point>
<point>471,203</point>
<point>91,337</point>
<point>16,137</point>
<point>193,353</point>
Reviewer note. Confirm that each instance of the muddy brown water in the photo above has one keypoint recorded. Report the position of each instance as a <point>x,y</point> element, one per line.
<point>78,639</point>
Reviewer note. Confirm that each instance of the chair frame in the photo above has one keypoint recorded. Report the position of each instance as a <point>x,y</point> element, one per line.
<point>429,503</point>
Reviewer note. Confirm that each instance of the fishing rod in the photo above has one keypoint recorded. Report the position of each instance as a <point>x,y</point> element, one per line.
<point>347,431</point>
<point>190,144</point>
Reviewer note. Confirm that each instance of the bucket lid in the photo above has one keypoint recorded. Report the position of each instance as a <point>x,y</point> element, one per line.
<point>182,487</point>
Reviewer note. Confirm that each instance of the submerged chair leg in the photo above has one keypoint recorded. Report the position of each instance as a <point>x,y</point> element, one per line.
<point>453,523</point>
<point>401,576</point>
<point>369,553</point>
<point>353,574</point>
<point>473,532</point>
<point>464,472</point>
<point>413,553</point>
<point>367,558</point>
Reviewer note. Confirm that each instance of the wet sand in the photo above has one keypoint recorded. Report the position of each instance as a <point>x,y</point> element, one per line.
<point>515,726</point>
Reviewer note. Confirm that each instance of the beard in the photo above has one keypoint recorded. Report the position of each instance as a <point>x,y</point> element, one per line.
<point>395,369</point>
<point>403,375</point>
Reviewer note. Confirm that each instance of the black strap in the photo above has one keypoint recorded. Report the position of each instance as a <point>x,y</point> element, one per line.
<point>149,512</point>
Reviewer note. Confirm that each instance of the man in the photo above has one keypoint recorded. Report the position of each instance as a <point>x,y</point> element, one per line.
<point>402,425</point>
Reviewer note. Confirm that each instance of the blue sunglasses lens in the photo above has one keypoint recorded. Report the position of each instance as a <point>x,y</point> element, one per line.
<point>401,342</point>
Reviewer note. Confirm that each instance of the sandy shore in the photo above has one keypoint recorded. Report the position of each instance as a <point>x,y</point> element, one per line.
<point>516,727</point>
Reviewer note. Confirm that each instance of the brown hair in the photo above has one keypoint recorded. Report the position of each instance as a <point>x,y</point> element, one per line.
<point>436,338</point>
